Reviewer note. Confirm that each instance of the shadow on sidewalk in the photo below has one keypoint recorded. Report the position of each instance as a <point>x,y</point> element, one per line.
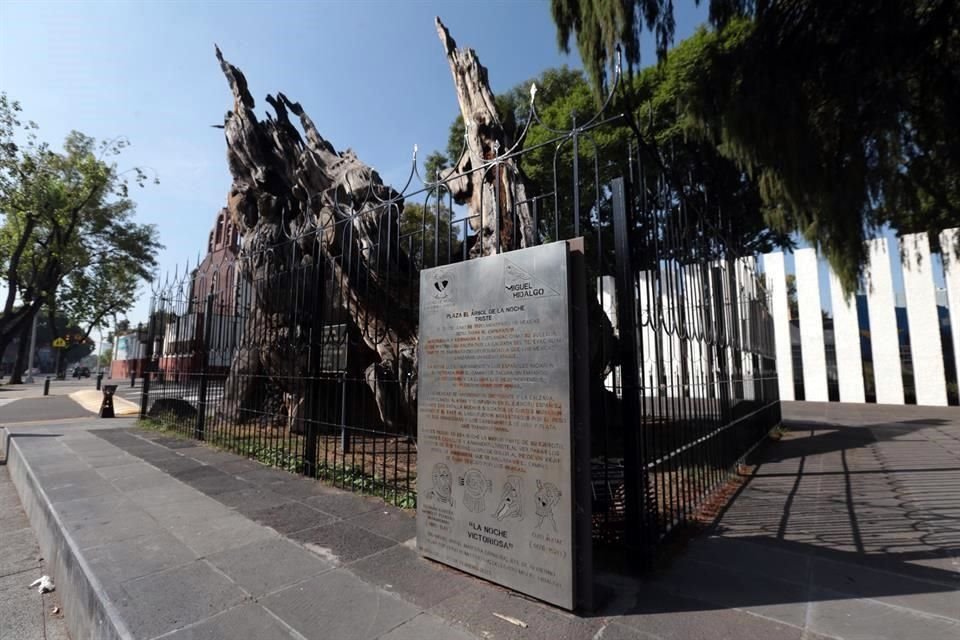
<point>829,513</point>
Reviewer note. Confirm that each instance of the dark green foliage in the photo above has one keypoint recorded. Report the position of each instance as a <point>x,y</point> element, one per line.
<point>425,230</point>
<point>843,113</point>
<point>718,199</point>
<point>601,25</point>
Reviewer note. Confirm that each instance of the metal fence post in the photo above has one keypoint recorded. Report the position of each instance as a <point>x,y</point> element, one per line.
<point>148,364</point>
<point>634,460</point>
<point>200,429</point>
<point>312,417</point>
<point>145,395</point>
<point>344,432</point>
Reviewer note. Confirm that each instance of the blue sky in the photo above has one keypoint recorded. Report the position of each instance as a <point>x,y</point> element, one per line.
<point>371,74</point>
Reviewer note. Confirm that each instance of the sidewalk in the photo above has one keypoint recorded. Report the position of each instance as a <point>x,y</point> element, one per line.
<point>845,529</point>
<point>25,614</point>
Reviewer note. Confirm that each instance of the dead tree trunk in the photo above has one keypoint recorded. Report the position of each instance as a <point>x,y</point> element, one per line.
<point>310,215</point>
<point>491,185</point>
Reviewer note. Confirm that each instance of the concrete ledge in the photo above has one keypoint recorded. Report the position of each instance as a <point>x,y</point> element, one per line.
<point>86,608</point>
<point>90,399</point>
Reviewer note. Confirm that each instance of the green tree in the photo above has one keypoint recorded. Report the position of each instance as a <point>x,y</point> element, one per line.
<point>67,233</point>
<point>433,168</point>
<point>79,345</point>
<point>105,359</point>
<point>718,198</point>
<point>600,26</point>
<point>843,113</point>
<point>425,231</point>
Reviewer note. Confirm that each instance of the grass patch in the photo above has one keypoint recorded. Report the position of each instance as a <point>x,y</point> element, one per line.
<point>345,476</point>
<point>778,432</point>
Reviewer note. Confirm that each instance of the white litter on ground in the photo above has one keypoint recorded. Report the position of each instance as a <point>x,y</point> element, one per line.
<point>44,584</point>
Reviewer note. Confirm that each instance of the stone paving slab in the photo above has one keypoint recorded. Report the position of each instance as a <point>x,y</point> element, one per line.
<point>426,627</point>
<point>339,606</point>
<point>167,558</point>
<point>287,517</point>
<point>400,570</point>
<point>343,540</point>
<point>248,620</point>
<point>19,552</point>
<point>388,522</point>
<point>269,565</point>
<point>168,600</point>
<point>671,616</point>
<point>844,529</point>
<point>137,557</point>
<point>25,614</point>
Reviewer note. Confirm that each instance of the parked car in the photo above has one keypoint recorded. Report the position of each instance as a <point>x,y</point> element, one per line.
<point>81,372</point>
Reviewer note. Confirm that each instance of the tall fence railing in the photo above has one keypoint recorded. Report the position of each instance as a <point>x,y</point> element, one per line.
<point>871,345</point>
<point>267,353</point>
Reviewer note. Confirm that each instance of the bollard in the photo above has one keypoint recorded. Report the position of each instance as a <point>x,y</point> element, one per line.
<point>106,407</point>
<point>133,379</point>
<point>46,386</point>
<point>99,380</point>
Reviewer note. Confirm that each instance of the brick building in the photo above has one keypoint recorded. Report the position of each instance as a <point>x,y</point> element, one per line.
<point>178,348</point>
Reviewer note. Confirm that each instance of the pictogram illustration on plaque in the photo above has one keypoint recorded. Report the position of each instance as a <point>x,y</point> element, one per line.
<point>440,285</point>
<point>511,505</point>
<point>475,488</point>
<point>546,498</point>
<point>442,489</point>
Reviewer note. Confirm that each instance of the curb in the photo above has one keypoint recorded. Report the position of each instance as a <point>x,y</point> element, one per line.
<point>87,609</point>
<point>91,399</point>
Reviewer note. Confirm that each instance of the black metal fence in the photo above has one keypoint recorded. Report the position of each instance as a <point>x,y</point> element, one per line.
<point>266,353</point>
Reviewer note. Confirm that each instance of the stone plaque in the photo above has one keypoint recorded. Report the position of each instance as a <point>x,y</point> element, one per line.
<point>495,452</point>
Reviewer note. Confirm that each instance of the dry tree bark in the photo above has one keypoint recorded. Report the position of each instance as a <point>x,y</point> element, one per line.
<point>290,185</point>
<point>493,189</point>
<point>337,209</point>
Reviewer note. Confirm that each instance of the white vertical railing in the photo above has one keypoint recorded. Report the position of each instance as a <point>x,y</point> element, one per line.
<point>745,270</point>
<point>926,349</point>
<point>811,326</point>
<point>927,334</point>
<point>696,360</point>
<point>648,335</point>
<point>950,245</point>
<point>775,270</point>
<point>846,339</point>
<point>884,338</point>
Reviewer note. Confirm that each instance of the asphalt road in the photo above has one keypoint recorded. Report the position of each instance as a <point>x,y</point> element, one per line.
<point>26,403</point>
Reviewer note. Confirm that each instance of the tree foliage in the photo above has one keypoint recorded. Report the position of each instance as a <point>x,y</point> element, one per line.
<point>600,26</point>
<point>716,197</point>
<point>426,232</point>
<point>843,113</point>
<point>67,237</point>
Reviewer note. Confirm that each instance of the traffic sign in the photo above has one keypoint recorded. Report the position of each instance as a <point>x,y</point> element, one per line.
<point>59,343</point>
